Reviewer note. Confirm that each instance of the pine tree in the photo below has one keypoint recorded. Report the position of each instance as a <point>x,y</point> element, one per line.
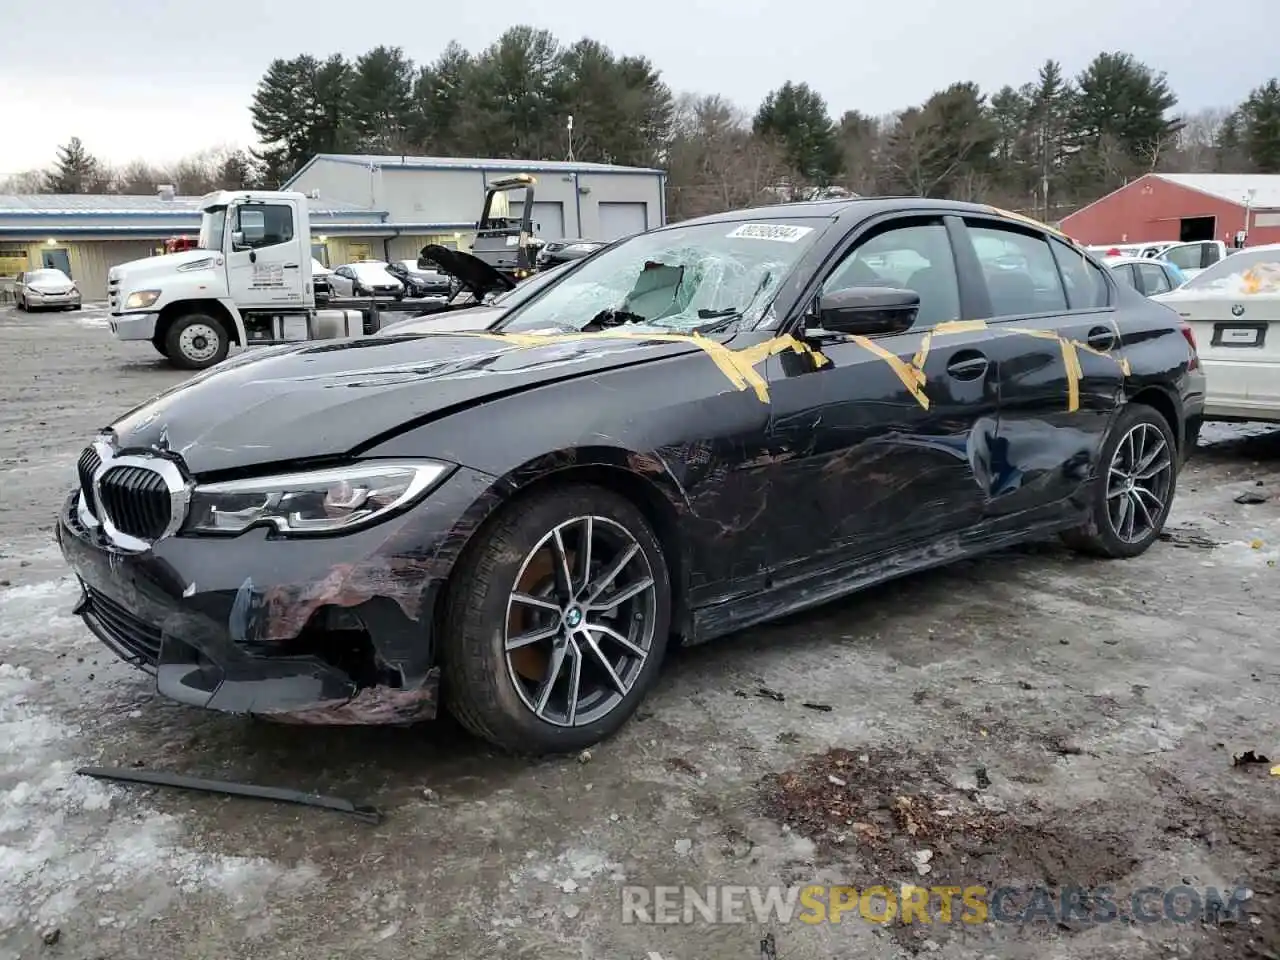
<point>797,118</point>
<point>1260,120</point>
<point>76,170</point>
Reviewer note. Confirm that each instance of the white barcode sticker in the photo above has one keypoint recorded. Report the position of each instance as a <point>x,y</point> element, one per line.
<point>780,232</point>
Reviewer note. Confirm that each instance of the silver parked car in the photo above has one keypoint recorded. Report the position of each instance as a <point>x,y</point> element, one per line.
<point>365,278</point>
<point>49,289</point>
<point>1146,275</point>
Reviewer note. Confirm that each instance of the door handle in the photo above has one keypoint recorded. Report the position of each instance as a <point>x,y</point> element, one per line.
<point>291,266</point>
<point>967,365</point>
<point>1102,338</point>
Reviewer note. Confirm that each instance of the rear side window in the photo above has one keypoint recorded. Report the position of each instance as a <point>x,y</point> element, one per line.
<point>1124,274</point>
<point>1087,288</point>
<point>1021,274</point>
<point>1154,279</point>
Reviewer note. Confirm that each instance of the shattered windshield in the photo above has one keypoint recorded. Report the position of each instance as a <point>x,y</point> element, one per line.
<point>677,280</point>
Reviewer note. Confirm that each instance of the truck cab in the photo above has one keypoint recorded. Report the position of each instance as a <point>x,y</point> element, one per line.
<point>247,281</point>
<point>1197,255</point>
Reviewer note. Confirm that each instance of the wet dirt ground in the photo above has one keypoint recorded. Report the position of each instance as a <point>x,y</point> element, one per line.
<point>1030,719</point>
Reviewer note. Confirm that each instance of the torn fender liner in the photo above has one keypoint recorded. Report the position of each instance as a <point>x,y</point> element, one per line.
<point>163,778</point>
<point>372,706</point>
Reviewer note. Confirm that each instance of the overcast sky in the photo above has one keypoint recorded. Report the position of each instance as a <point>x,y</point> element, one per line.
<point>178,77</point>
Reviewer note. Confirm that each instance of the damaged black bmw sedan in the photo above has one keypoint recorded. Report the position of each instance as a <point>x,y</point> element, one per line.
<point>700,428</point>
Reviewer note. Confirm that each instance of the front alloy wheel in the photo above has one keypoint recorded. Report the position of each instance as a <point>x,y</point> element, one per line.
<point>557,621</point>
<point>580,621</point>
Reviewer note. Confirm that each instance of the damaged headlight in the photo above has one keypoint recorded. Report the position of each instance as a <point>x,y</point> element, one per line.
<point>317,501</point>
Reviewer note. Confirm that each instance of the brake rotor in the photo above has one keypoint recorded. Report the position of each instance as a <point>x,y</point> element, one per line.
<point>532,661</point>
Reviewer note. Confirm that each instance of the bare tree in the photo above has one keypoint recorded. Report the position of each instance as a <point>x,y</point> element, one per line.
<point>715,163</point>
<point>26,182</point>
<point>1196,150</point>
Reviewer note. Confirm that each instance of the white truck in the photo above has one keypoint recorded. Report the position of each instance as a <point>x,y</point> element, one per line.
<point>249,281</point>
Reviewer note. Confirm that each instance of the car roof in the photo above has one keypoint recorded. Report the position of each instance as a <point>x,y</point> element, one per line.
<point>1118,261</point>
<point>859,208</point>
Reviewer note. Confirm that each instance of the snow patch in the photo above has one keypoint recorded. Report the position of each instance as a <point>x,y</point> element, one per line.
<point>571,869</point>
<point>1248,553</point>
<point>65,838</point>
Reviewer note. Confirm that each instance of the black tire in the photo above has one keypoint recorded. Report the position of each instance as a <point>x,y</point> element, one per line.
<point>1099,537</point>
<point>479,688</point>
<point>174,342</point>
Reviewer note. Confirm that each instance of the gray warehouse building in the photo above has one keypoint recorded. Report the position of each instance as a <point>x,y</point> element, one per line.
<point>438,199</point>
<point>362,207</point>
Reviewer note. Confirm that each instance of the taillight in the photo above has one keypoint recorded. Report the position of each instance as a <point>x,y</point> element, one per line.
<point>1190,336</point>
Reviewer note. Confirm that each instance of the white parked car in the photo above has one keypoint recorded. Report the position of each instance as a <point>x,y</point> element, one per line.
<point>1233,308</point>
<point>1190,258</point>
<point>365,278</point>
<point>46,289</point>
<point>1146,275</point>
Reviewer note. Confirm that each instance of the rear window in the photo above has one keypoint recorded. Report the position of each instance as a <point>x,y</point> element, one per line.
<point>1250,271</point>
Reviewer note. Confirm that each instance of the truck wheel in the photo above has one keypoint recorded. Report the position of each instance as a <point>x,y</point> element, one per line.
<point>196,341</point>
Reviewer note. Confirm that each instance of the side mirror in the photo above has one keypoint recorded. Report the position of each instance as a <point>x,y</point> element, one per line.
<point>867,310</point>
<point>237,238</point>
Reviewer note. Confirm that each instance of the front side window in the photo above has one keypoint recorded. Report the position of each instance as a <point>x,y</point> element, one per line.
<point>264,224</point>
<point>1021,274</point>
<point>915,257</point>
<point>680,279</point>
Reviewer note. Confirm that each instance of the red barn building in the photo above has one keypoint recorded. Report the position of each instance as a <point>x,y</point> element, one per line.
<point>1182,207</point>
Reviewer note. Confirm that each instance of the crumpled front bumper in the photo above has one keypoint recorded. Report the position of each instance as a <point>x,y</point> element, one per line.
<point>324,631</point>
<point>36,300</point>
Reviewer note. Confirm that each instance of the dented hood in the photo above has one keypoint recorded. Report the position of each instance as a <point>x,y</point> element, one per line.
<point>276,404</point>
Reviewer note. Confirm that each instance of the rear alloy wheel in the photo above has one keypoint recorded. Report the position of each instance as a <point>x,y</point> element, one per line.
<point>1134,489</point>
<point>195,342</point>
<point>557,622</point>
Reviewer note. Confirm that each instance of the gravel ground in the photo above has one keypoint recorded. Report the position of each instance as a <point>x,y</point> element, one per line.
<point>1030,718</point>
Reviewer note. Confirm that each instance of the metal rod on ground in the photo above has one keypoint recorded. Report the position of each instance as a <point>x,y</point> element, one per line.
<point>161,778</point>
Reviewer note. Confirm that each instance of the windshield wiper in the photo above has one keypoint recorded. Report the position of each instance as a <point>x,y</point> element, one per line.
<point>721,319</point>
